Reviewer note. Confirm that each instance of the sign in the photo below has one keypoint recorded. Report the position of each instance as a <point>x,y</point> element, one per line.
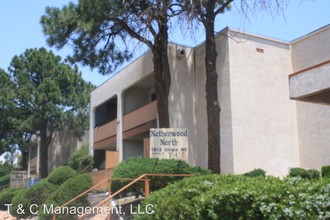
<point>169,143</point>
<point>18,179</point>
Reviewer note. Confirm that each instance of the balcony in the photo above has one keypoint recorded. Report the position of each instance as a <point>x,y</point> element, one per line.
<point>140,120</point>
<point>134,123</point>
<point>311,84</point>
<point>105,135</point>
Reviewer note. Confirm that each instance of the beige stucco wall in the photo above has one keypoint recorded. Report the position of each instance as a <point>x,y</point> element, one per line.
<point>182,100</point>
<point>226,141</point>
<point>263,116</point>
<point>313,120</point>
<point>63,144</point>
<point>314,134</point>
<point>135,98</point>
<point>311,49</point>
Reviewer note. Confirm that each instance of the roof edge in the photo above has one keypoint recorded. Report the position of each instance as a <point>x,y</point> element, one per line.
<point>311,34</point>
<point>259,36</point>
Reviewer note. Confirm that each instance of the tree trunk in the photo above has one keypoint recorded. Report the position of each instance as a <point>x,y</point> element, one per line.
<point>211,88</point>
<point>43,161</point>
<point>162,75</point>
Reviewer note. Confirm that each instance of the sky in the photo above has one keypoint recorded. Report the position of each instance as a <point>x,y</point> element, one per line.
<point>21,30</point>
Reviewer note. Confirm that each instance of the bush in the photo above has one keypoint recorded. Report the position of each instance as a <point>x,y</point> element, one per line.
<point>255,173</point>
<point>6,196</point>
<point>325,171</point>
<point>305,174</point>
<point>81,160</point>
<point>5,169</point>
<point>61,174</point>
<point>239,197</point>
<point>5,180</point>
<point>35,195</point>
<point>136,166</point>
<point>67,191</point>
<point>21,198</point>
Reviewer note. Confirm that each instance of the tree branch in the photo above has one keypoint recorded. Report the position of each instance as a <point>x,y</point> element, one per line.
<point>223,7</point>
<point>134,34</point>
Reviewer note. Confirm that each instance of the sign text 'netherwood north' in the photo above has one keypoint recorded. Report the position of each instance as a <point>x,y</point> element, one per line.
<point>169,143</point>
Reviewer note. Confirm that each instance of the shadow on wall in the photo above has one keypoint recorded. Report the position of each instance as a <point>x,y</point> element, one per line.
<point>64,143</point>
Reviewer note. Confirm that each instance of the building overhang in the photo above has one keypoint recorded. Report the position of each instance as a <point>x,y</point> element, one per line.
<point>311,84</point>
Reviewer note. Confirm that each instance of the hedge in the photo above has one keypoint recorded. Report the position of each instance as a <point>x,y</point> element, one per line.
<point>325,171</point>
<point>81,160</point>
<point>303,173</point>
<point>5,180</point>
<point>61,174</point>
<point>37,195</point>
<point>255,173</point>
<point>239,197</point>
<point>67,191</point>
<point>7,195</point>
<point>23,199</point>
<point>136,166</point>
<point>5,169</point>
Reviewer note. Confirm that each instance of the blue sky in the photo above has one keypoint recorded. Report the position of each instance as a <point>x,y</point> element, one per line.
<point>19,22</point>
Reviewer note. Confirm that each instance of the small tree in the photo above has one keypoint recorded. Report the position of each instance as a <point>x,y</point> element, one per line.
<point>44,94</point>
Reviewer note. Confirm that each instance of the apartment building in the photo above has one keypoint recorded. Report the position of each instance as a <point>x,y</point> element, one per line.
<point>62,146</point>
<point>274,97</point>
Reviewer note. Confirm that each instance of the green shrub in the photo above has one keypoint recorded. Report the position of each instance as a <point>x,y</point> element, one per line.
<point>136,166</point>
<point>6,196</point>
<point>238,197</point>
<point>61,174</point>
<point>21,198</point>
<point>67,191</point>
<point>325,171</point>
<point>35,195</point>
<point>255,173</point>
<point>5,169</point>
<point>39,193</point>
<point>305,174</point>
<point>81,160</point>
<point>5,180</point>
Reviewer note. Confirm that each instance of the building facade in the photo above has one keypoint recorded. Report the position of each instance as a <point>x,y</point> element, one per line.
<point>62,146</point>
<point>274,97</point>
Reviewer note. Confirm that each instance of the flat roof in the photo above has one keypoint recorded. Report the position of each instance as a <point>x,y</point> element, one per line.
<point>311,33</point>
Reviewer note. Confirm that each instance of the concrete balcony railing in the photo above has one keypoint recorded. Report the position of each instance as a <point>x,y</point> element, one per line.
<point>311,84</point>
<point>140,116</point>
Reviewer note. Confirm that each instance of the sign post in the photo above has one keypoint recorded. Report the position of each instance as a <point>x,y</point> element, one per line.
<point>169,143</point>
